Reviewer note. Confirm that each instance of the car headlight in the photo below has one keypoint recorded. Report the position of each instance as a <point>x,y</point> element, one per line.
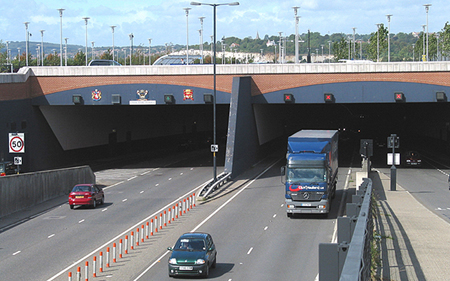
<point>173,261</point>
<point>200,261</point>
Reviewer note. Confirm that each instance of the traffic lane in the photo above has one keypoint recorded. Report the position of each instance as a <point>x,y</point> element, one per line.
<point>428,186</point>
<point>64,242</point>
<point>256,240</point>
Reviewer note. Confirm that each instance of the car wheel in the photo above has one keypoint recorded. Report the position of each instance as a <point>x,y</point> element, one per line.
<point>102,201</point>
<point>213,265</point>
<point>71,206</point>
<point>94,205</point>
<point>206,274</point>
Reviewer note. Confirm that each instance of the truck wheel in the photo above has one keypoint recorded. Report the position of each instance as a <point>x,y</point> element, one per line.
<point>289,215</point>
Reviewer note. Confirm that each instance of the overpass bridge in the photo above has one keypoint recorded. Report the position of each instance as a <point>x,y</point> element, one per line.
<point>68,113</point>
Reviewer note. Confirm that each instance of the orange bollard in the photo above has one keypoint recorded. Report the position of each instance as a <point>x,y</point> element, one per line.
<point>146,230</point>
<point>70,276</point>
<point>132,240</point>
<point>126,244</point>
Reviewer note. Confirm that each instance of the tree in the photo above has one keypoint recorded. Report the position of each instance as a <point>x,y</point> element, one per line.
<point>106,55</point>
<point>79,59</point>
<point>340,49</point>
<point>376,38</point>
<point>444,38</point>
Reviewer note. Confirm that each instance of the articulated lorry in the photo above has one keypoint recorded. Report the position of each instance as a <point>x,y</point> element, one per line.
<point>310,174</point>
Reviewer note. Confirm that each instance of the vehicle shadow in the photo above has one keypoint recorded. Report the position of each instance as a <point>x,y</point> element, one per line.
<point>220,270</point>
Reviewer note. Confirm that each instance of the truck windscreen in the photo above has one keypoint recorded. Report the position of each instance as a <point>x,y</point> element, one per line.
<point>306,175</point>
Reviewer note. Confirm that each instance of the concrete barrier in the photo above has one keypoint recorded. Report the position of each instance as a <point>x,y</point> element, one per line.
<point>18,192</point>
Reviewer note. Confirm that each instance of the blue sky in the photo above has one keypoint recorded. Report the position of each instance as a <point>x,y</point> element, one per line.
<point>165,21</point>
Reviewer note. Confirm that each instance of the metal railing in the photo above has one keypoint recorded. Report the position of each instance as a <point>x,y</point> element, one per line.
<point>213,186</point>
<point>350,257</point>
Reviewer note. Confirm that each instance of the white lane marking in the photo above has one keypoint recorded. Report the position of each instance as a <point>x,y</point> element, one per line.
<point>104,209</point>
<point>81,221</point>
<point>205,220</point>
<point>347,179</point>
<point>141,192</point>
<point>50,236</point>
<point>181,174</point>
<point>117,183</point>
<point>170,179</point>
<point>265,228</point>
<point>124,200</point>
<point>132,178</point>
<point>157,184</point>
<point>274,215</point>
<point>249,251</point>
<point>127,231</point>
<point>16,253</point>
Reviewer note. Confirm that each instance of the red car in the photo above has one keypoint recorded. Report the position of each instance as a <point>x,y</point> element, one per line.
<point>86,194</point>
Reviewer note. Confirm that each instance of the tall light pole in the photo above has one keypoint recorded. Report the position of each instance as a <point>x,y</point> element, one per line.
<point>201,39</point>
<point>329,51</point>
<point>92,49</point>
<point>112,28</point>
<point>65,50</point>
<point>423,42</point>
<point>86,52</point>
<point>427,7</point>
<point>26,41</point>
<point>279,48</point>
<point>354,50</point>
<point>389,37</point>
<point>296,32</point>
<point>187,34</point>
<point>149,51</point>
<point>131,46</point>
<point>214,74</point>
<point>378,41</point>
<point>413,45</point>
<point>60,44</point>
<point>42,46</point>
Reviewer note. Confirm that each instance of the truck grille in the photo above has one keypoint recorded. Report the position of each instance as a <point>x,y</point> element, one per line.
<point>306,196</point>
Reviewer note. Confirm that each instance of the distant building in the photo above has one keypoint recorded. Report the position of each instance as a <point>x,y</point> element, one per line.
<point>270,43</point>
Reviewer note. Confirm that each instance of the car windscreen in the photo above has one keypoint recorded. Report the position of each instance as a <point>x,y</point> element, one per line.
<point>190,244</point>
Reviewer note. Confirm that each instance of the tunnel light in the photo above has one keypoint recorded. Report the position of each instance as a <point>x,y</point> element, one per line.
<point>288,98</point>
<point>399,97</point>
<point>208,98</point>
<point>169,99</point>
<point>77,99</point>
<point>116,99</point>
<point>441,97</point>
<point>328,98</point>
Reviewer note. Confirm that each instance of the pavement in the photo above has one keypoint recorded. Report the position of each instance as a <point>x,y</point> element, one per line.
<point>413,242</point>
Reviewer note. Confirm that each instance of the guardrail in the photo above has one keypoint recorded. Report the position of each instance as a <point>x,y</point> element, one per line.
<point>212,186</point>
<point>350,257</point>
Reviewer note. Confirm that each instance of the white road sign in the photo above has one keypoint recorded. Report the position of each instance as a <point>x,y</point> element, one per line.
<point>17,143</point>
<point>17,160</point>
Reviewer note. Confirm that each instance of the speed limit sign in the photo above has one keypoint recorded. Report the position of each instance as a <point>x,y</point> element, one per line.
<point>17,143</point>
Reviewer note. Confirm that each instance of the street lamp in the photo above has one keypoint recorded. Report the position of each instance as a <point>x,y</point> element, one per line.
<point>389,37</point>
<point>86,22</point>
<point>279,48</point>
<point>42,46</point>
<point>149,51</point>
<point>65,55</point>
<point>413,45</point>
<point>201,39</point>
<point>427,7</point>
<point>214,74</point>
<point>60,44</point>
<point>112,28</point>
<point>131,46</point>
<point>329,51</point>
<point>423,41</point>
<point>296,32</point>
<point>378,41</point>
<point>354,51</point>
<point>92,49</point>
<point>187,34</point>
<point>26,41</point>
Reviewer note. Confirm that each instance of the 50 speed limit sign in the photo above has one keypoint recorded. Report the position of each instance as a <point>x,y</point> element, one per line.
<point>17,143</point>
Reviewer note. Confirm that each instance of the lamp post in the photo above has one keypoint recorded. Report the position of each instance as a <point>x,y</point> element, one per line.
<point>201,39</point>
<point>26,41</point>
<point>214,74</point>
<point>329,51</point>
<point>378,41</point>
<point>296,32</point>
<point>389,37</point>
<point>413,45</point>
<point>423,43</point>
<point>149,51</point>
<point>60,43</point>
<point>279,48</point>
<point>427,7</point>
<point>65,55</point>
<point>42,46</point>
<point>187,34</point>
<point>131,46</point>
<point>86,52</point>
<point>112,29</point>
<point>354,50</point>
<point>92,49</point>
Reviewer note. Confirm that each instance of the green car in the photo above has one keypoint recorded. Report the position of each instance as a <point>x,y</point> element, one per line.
<point>193,254</point>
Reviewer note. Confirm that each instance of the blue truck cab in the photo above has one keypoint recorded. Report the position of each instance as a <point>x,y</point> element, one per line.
<point>310,174</point>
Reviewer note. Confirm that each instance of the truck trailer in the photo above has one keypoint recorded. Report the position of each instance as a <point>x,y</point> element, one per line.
<point>310,174</point>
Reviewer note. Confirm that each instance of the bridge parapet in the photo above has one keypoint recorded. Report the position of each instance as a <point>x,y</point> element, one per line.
<point>227,69</point>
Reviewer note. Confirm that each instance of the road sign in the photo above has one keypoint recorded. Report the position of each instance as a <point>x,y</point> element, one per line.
<point>16,143</point>
<point>397,158</point>
<point>17,160</point>
<point>214,148</point>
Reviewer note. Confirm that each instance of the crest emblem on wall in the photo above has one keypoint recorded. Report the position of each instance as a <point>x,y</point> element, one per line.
<point>96,95</point>
<point>142,94</point>
<point>188,94</point>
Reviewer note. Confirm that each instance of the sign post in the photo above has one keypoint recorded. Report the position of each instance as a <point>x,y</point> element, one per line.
<point>393,142</point>
<point>18,162</point>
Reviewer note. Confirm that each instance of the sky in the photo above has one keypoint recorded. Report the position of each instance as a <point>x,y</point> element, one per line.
<point>164,21</point>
